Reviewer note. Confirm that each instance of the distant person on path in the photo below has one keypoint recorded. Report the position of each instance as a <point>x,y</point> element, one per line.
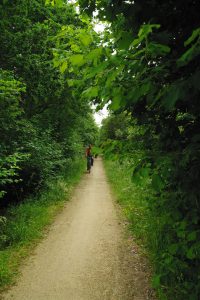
<point>88,155</point>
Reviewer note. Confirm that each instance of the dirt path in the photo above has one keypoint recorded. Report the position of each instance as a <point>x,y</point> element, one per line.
<point>86,255</point>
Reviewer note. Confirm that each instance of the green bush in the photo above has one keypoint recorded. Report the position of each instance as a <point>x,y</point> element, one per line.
<point>43,123</point>
<point>171,240</point>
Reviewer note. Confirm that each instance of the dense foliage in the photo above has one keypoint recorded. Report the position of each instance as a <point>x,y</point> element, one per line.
<point>43,123</point>
<point>147,64</point>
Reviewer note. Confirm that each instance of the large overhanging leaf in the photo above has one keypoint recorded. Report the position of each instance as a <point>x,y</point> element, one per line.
<point>91,92</point>
<point>172,95</point>
<point>85,38</point>
<point>193,51</point>
<point>156,49</point>
<point>124,40</point>
<point>77,60</point>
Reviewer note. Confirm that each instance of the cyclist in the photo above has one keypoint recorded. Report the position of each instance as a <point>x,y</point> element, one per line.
<point>88,155</point>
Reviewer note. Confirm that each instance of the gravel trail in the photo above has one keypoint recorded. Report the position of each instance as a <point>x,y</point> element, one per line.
<point>87,254</point>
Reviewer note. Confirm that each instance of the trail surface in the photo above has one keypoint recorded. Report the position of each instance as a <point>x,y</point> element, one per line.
<point>86,254</point>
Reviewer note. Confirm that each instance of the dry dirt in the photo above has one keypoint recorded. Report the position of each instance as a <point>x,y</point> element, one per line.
<point>87,254</point>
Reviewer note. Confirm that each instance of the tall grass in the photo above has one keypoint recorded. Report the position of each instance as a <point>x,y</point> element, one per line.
<point>133,199</point>
<point>24,224</point>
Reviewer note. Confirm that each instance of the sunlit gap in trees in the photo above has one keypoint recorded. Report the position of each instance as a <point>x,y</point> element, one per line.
<point>99,27</point>
<point>75,4</point>
<point>129,2</point>
<point>100,114</point>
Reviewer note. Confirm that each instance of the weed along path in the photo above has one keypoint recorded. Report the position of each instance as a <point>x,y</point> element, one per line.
<point>86,254</point>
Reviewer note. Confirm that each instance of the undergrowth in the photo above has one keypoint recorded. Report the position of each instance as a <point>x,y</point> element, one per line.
<point>152,230</point>
<point>24,225</point>
<point>133,200</point>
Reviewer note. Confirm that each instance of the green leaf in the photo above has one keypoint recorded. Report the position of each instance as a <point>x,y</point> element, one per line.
<point>77,60</point>
<point>124,40</point>
<point>85,18</point>
<point>63,66</point>
<point>75,48</point>
<point>117,95</point>
<point>157,182</point>
<point>59,3</point>
<point>136,42</point>
<point>172,95</point>
<point>115,105</point>
<point>158,49</point>
<point>85,39</point>
<point>145,30</point>
<point>137,53</point>
<point>95,53</point>
<point>173,248</point>
<point>189,55</point>
<point>135,94</point>
<point>145,88</point>
<point>192,236</point>
<point>70,82</point>
<point>91,92</point>
<point>195,34</point>
<point>56,62</point>
<point>191,253</point>
<point>141,173</point>
<point>96,70</point>
<point>113,74</point>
